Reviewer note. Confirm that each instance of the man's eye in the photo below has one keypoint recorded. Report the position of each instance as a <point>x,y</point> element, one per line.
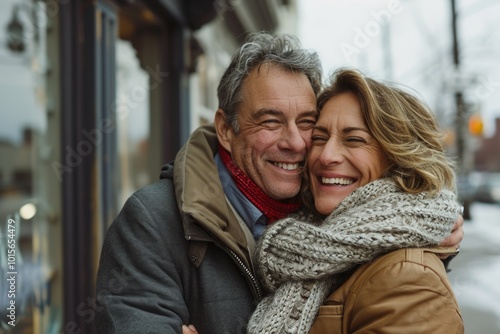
<point>306,124</point>
<point>270,121</point>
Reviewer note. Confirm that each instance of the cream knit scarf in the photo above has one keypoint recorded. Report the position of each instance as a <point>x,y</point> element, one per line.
<point>300,262</point>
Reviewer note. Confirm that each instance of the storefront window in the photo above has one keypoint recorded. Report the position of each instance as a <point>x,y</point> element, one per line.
<point>132,85</point>
<point>25,303</point>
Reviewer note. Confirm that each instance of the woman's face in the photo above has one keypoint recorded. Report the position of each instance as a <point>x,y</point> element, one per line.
<point>343,156</point>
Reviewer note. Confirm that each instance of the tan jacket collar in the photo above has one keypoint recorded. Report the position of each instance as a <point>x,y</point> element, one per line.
<point>200,196</point>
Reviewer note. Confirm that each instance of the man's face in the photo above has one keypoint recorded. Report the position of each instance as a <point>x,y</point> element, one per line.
<point>276,119</point>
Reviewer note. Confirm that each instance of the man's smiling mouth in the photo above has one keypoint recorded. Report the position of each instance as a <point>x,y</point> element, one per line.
<point>286,166</point>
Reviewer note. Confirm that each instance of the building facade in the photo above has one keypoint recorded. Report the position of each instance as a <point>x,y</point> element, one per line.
<point>96,96</point>
<point>487,156</point>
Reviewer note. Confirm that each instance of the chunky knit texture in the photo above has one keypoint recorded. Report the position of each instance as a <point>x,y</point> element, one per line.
<point>300,262</point>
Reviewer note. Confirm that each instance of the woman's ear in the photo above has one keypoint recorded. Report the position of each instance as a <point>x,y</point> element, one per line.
<point>224,131</point>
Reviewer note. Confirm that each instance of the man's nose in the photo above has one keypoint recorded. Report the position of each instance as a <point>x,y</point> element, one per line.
<point>292,139</point>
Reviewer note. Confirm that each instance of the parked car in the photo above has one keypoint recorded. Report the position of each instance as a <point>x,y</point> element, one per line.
<point>488,190</point>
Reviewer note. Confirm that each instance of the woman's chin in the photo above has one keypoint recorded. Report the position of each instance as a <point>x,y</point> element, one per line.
<point>326,208</point>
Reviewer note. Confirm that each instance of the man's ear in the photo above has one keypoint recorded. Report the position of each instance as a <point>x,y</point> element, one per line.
<point>224,131</point>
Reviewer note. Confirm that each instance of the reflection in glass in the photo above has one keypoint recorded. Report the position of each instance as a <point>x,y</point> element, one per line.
<point>132,119</point>
<point>23,127</point>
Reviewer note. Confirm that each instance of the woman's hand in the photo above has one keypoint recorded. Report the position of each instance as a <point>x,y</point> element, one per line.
<point>189,329</point>
<point>456,236</point>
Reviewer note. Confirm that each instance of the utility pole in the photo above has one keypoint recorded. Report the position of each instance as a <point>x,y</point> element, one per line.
<point>461,112</point>
<point>386,48</point>
<point>464,162</point>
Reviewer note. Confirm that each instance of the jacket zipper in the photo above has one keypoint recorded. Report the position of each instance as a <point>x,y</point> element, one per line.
<point>245,269</point>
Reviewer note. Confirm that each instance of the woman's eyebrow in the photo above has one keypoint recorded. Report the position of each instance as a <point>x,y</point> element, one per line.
<point>320,128</point>
<point>354,128</point>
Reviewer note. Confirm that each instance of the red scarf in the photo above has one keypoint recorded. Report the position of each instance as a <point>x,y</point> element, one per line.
<point>272,209</point>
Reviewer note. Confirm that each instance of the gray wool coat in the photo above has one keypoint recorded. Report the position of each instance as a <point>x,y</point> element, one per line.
<point>177,255</point>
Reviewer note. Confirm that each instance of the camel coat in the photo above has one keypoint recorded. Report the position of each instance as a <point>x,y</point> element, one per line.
<point>405,291</point>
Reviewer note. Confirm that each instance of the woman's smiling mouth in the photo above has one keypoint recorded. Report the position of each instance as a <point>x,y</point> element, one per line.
<point>336,181</point>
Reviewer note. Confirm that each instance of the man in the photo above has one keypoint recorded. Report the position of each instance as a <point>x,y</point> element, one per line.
<point>181,248</point>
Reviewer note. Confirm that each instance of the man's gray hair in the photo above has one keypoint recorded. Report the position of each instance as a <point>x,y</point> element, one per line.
<point>282,50</point>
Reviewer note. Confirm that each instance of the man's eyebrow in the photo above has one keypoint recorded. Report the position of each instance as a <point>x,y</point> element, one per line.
<point>313,113</point>
<point>278,113</point>
<point>262,112</point>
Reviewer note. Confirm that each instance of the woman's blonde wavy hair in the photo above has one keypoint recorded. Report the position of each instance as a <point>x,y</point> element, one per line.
<point>405,128</point>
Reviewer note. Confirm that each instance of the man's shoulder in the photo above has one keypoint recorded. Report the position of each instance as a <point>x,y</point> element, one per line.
<point>159,190</point>
<point>153,206</point>
<point>157,198</point>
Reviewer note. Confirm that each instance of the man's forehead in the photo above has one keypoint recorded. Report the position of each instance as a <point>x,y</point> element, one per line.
<point>271,89</point>
<point>295,87</point>
<point>268,69</point>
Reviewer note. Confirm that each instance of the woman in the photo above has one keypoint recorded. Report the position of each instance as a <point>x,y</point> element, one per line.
<point>382,190</point>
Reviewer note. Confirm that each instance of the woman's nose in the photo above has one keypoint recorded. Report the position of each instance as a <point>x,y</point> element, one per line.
<point>331,152</point>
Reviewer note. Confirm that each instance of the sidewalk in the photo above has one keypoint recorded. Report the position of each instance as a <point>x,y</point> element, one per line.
<point>475,272</point>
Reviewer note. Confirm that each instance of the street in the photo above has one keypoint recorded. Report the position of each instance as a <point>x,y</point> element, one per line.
<point>475,272</point>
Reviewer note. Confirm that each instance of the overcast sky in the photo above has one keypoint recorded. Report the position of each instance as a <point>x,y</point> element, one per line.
<point>410,42</point>
<point>407,41</point>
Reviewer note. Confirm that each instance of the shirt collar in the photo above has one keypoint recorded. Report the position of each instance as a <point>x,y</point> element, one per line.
<point>247,211</point>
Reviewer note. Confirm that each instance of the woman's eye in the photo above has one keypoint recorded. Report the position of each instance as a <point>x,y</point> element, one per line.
<point>318,139</point>
<point>356,139</point>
